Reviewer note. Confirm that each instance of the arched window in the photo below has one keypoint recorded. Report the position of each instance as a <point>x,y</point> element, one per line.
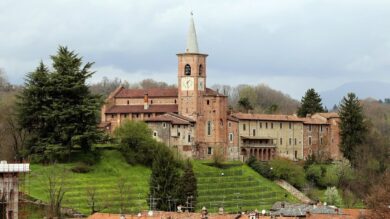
<point>187,69</point>
<point>208,127</point>
<point>200,70</point>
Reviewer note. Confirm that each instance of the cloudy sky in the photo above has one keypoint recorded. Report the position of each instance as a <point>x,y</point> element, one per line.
<point>290,45</point>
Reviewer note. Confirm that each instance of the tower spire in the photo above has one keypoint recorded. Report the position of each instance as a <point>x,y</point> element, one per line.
<point>192,42</point>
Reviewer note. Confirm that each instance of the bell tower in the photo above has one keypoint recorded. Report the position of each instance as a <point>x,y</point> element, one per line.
<point>191,76</point>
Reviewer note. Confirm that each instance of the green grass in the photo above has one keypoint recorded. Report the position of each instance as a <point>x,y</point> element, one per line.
<point>238,187</point>
<point>104,177</point>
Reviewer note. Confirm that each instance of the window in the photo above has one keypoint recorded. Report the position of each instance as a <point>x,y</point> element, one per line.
<point>209,128</point>
<point>175,100</point>
<point>321,141</point>
<point>208,102</point>
<point>281,125</point>
<point>229,124</point>
<point>155,134</point>
<point>200,69</point>
<point>295,141</point>
<point>266,125</point>
<point>231,137</point>
<point>309,140</point>
<point>189,138</point>
<point>125,115</point>
<point>296,154</point>
<point>112,116</point>
<point>128,102</point>
<point>178,134</point>
<point>281,141</point>
<point>309,128</point>
<point>272,125</point>
<point>261,125</point>
<point>289,125</point>
<point>209,150</point>
<point>221,122</point>
<point>187,69</point>
<point>151,101</point>
<point>254,132</point>
<point>243,127</point>
<point>320,128</point>
<point>289,141</point>
<point>164,124</point>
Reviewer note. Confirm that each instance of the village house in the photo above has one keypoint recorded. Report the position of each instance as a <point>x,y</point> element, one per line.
<point>194,120</point>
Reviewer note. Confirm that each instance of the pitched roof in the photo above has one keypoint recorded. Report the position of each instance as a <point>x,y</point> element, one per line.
<point>329,115</point>
<point>172,118</point>
<point>267,117</point>
<point>232,118</point>
<point>152,92</point>
<point>172,108</point>
<point>314,121</point>
<point>211,92</point>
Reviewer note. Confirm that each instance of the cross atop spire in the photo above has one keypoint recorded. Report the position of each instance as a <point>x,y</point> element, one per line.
<point>192,42</point>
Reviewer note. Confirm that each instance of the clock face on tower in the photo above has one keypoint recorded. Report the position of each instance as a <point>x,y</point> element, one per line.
<point>201,84</point>
<point>187,83</point>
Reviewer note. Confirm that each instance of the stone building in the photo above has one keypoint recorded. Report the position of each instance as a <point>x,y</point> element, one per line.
<point>9,188</point>
<point>194,120</point>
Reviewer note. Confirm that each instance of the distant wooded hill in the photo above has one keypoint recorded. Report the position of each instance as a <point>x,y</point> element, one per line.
<point>367,89</point>
<point>262,98</point>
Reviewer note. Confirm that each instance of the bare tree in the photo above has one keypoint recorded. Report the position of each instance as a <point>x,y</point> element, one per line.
<point>95,204</point>
<point>55,179</point>
<point>123,189</point>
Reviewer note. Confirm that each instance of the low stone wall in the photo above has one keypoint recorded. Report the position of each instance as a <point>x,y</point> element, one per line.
<point>295,192</point>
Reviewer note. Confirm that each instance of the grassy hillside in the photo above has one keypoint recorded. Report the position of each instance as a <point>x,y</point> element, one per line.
<point>239,186</point>
<point>104,176</point>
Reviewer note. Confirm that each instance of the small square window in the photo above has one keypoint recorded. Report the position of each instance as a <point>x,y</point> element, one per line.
<point>209,150</point>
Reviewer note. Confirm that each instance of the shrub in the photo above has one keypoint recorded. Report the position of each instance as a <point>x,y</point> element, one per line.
<point>218,157</point>
<point>289,171</point>
<point>314,173</point>
<point>332,196</point>
<point>81,168</point>
<point>263,168</point>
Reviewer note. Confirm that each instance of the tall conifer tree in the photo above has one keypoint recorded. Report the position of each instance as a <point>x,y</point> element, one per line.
<point>310,103</point>
<point>353,129</point>
<point>57,107</point>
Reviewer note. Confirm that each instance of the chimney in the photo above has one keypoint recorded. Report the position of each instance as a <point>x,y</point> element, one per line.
<point>146,101</point>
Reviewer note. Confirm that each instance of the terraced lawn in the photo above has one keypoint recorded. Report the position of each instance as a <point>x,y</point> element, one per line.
<point>235,188</point>
<point>104,177</point>
<point>238,187</point>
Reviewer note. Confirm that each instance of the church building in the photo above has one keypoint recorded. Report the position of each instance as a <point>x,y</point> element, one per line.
<point>193,119</point>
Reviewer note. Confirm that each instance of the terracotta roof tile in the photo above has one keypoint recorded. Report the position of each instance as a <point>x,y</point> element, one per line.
<point>314,121</point>
<point>211,92</point>
<point>329,115</point>
<point>152,92</point>
<point>140,109</point>
<point>172,118</point>
<point>267,117</point>
<point>232,118</point>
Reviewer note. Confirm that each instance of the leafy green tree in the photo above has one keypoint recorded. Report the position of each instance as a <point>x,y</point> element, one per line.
<point>353,129</point>
<point>188,186</point>
<point>136,142</point>
<point>58,108</point>
<point>310,103</point>
<point>245,104</point>
<point>164,179</point>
